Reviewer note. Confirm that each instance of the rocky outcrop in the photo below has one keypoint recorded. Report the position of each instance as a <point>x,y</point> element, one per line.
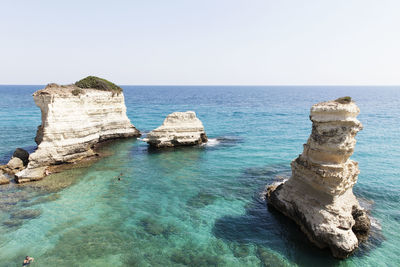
<point>319,195</point>
<point>178,129</point>
<point>17,163</point>
<point>73,121</point>
<point>22,154</point>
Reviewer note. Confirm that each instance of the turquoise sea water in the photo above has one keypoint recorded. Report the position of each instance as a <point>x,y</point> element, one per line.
<point>197,206</point>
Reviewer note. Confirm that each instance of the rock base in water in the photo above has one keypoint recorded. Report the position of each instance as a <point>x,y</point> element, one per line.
<point>28,175</point>
<point>319,195</point>
<point>178,129</point>
<point>17,163</point>
<point>75,118</point>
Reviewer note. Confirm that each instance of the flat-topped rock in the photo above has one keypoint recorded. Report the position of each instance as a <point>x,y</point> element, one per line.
<point>30,174</point>
<point>178,129</point>
<point>319,195</point>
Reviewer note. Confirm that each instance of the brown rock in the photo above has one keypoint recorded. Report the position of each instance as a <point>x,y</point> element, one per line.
<point>4,179</point>
<point>15,164</point>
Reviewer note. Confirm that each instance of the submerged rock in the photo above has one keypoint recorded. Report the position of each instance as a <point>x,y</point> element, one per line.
<point>201,200</point>
<point>319,195</point>
<point>178,129</point>
<point>74,119</point>
<point>26,214</point>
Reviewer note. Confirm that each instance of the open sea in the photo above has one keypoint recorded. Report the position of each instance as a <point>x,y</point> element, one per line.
<point>198,206</point>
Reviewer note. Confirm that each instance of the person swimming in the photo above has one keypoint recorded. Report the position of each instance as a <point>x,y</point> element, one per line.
<point>27,261</point>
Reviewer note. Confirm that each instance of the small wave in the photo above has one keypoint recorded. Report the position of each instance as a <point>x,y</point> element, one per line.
<point>375,223</point>
<point>212,142</point>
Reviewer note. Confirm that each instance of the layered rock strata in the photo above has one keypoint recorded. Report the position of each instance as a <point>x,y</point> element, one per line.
<point>319,195</point>
<point>178,129</point>
<point>73,121</point>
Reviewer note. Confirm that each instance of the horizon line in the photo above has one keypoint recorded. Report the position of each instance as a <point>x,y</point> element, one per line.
<point>233,85</point>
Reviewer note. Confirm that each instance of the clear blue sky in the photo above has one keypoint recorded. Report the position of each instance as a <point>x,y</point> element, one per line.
<point>234,42</point>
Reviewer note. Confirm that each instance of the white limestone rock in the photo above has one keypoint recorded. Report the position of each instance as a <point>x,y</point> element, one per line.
<point>31,174</point>
<point>178,129</point>
<point>319,195</point>
<point>73,121</point>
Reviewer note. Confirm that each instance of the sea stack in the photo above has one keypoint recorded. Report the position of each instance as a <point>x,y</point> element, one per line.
<point>178,129</point>
<point>319,195</point>
<point>74,119</point>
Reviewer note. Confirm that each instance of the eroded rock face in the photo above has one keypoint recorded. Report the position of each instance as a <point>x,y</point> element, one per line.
<point>73,121</point>
<point>319,195</point>
<point>178,129</point>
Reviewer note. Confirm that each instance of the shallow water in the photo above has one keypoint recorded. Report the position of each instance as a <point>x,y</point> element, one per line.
<point>197,206</point>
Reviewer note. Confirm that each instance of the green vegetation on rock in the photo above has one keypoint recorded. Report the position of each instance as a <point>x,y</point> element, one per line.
<point>77,91</point>
<point>98,83</point>
<point>344,100</point>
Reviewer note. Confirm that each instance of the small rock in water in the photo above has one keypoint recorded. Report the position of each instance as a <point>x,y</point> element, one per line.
<point>15,163</point>
<point>178,129</point>
<point>22,154</point>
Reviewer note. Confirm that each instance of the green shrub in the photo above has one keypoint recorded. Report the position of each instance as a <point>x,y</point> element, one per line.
<point>77,91</point>
<point>344,100</point>
<point>98,83</point>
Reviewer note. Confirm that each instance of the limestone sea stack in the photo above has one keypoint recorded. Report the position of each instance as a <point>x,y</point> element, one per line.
<point>74,119</point>
<point>319,195</point>
<point>178,129</point>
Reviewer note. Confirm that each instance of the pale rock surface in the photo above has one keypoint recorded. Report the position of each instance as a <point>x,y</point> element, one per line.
<point>30,174</point>
<point>319,195</point>
<point>178,129</point>
<point>15,164</point>
<point>73,123</point>
<point>3,179</point>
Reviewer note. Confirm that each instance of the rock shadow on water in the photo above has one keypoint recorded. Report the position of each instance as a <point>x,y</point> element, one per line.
<point>254,179</point>
<point>270,231</point>
<point>272,234</point>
